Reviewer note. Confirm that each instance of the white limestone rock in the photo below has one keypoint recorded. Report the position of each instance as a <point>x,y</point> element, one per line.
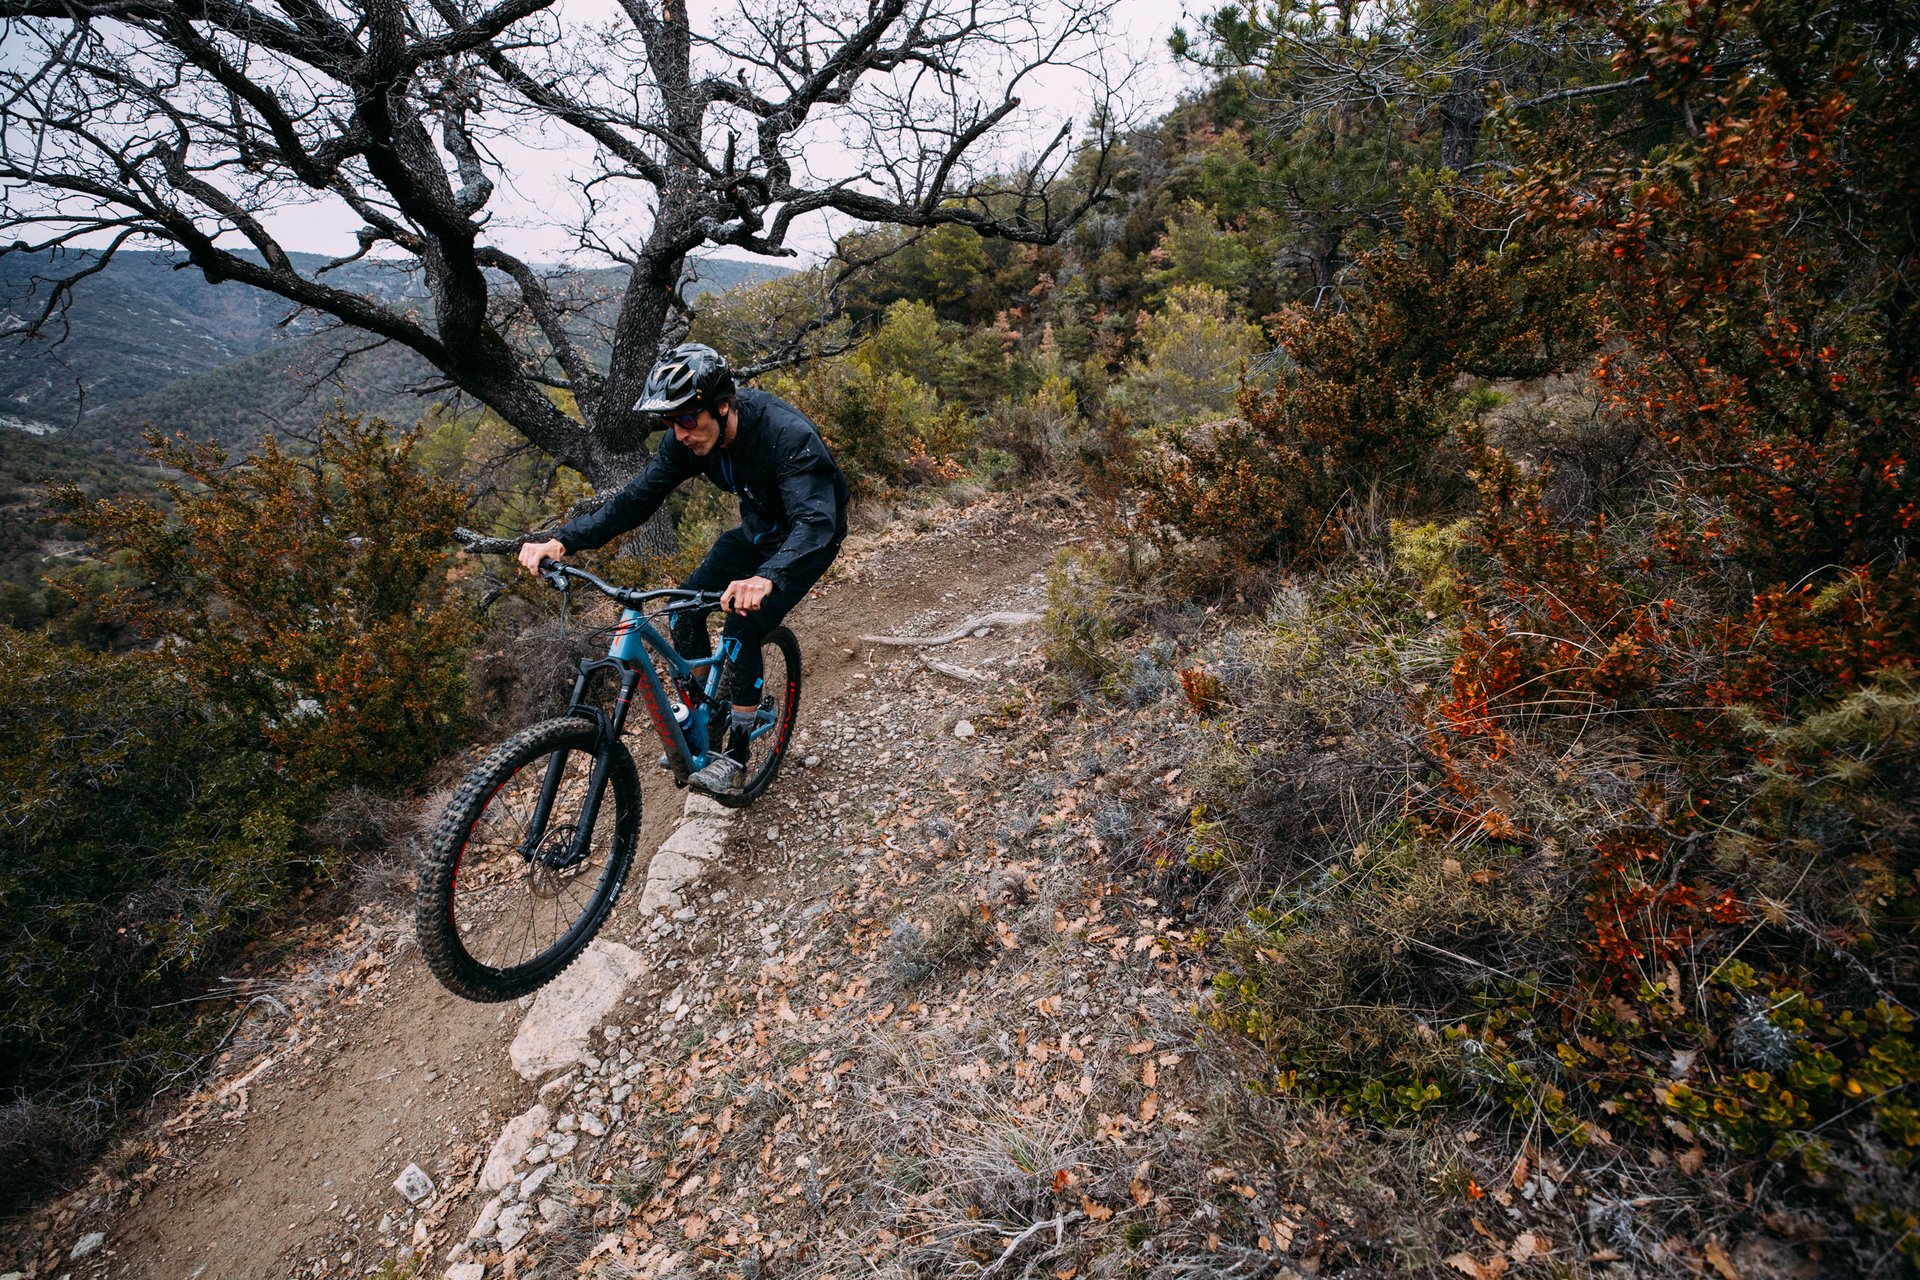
<point>511,1146</point>
<point>513,1225</point>
<point>489,1217</point>
<point>554,1035</point>
<point>414,1184</point>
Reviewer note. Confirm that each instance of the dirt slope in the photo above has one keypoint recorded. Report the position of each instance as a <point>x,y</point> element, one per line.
<point>283,1167</point>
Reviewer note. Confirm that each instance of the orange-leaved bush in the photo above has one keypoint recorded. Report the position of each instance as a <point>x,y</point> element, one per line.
<point>306,597</point>
<point>1748,635</point>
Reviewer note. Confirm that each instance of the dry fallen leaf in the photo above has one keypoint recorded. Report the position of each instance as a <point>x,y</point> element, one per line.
<point>1142,1193</point>
<point>1529,1245</point>
<point>1718,1259</point>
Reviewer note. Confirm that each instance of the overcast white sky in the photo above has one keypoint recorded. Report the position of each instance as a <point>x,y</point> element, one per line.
<point>534,196</point>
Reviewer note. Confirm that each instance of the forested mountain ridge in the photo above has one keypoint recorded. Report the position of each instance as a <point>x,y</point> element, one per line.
<point>148,341</point>
<point>141,323</point>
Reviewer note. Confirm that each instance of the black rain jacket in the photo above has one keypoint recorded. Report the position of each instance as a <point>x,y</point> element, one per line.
<point>793,499</point>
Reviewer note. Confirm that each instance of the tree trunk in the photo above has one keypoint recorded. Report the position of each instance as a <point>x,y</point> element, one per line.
<point>1463,108</point>
<point>1462,111</point>
<point>619,439</point>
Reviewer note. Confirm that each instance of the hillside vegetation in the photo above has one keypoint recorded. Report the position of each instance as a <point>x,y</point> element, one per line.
<point>1502,424</point>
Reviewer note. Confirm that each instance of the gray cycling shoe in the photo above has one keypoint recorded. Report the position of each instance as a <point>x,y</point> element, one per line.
<point>722,776</point>
<point>726,773</point>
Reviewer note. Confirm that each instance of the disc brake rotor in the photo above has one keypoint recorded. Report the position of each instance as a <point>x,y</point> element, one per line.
<point>555,863</point>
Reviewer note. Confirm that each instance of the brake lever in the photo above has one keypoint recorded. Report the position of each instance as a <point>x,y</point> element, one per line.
<point>559,582</point>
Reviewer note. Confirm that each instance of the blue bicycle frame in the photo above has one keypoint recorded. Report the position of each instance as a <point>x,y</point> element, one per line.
<point>627,655</point>
<point>687,749</point>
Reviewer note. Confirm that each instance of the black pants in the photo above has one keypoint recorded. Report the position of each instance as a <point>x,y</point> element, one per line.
<point>735,557</point>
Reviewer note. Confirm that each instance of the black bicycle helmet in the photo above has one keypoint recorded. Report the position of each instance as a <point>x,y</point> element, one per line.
<point>691,376</point>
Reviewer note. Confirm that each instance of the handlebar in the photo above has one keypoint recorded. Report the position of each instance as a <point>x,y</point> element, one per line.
<point>558,574</point>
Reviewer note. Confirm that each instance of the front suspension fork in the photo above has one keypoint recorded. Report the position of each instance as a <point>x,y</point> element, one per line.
<point>607,734</point>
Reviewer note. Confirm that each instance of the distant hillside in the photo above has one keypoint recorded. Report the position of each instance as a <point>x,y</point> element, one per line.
<point>146,342</point>
<point>35,548</point>
<point>138,325</point>
<point>281,392</point>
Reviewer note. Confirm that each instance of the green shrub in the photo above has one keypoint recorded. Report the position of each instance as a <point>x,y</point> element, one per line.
<point>1035,429</point>
<point>138,836</point>
<point>911,340</point>
<point>152,804</point>
<point>1193,353</point>
<point>1083,618</point>
<point>1428,553</point>
<point>305,598</point>
<point>1369,396</point>
<point>885,428</point>
<point>1195,252</point>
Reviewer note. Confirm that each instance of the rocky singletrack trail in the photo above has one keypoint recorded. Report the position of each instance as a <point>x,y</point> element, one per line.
<point>898,1010</point>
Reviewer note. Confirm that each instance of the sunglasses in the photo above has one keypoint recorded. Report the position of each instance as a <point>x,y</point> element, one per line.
<point>680,422</point>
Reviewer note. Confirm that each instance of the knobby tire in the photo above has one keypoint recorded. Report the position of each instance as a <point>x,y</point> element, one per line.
<point>781,655</point>
<point>483,909</point>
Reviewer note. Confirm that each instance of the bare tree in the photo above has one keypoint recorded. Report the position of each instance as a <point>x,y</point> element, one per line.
<point>193,122</point>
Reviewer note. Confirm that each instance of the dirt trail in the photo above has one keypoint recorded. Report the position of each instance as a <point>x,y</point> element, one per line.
<point>285,1167</point>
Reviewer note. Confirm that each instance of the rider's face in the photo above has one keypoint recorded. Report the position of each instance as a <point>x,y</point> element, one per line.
<point>701,436</point>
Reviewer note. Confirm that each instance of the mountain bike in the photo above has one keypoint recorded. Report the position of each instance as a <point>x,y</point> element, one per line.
<point>536,843</point>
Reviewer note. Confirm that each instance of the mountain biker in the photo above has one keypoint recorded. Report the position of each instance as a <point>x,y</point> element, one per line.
<point>793,518</point>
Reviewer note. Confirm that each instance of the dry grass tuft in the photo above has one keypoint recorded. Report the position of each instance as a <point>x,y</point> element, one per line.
<point>377,838</point>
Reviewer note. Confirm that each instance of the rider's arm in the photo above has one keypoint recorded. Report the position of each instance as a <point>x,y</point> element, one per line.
<point>628,509</point>
<point>813,510</point>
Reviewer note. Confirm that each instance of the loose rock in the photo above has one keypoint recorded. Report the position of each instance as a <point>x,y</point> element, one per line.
<point>513,1225</point>
<point>414,1184</point>
<point>570,1008</point>
<point>511,1146</point>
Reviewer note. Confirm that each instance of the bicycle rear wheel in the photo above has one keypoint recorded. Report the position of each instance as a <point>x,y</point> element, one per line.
<point>506,901</point>
<point>779,704</point>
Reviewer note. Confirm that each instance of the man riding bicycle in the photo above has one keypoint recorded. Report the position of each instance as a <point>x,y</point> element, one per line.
<point>793,518</point>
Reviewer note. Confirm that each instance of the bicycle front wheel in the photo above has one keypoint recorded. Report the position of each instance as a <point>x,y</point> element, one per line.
<point>528,860</point>
<point>779,704</point>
